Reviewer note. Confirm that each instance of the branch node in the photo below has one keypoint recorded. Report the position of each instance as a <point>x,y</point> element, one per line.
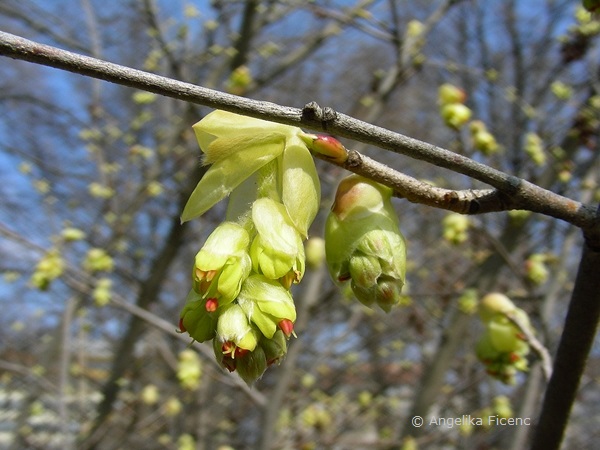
<point>354,159</point>
<point>514,183</point>
<point>314,114</point>
<point>473,207</point>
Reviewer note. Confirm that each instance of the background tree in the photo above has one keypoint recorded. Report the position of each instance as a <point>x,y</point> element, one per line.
<point>99,262</point>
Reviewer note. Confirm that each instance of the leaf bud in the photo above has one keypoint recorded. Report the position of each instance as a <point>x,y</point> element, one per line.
<point>328,146</point>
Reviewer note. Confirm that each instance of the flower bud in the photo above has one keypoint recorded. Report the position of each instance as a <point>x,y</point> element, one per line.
<point>483,140</point>
<point>252,366</point>
<point>502,347</point>
<point>448,93</point>
<point>502,406</point>
<point>277,249</point>
<point>196,319</point>
<point>495,304</point>
<point>455,228</point>
<point>189,369</point>
<point>327,146</point>
<point>266,303</point>
<point>561,90</point>
<point>102,293</point>
<point>536,269</point>
<point>414,28</point>
<point>477,126</point>
<point>485,350</point>
<point>503,334</point>
<point>363,242</point>
<point>233,326</point>
<point>455,115</point>
<point>275,348</point>
<point>239,80</point>
<point>223,263</point>
<point>467,302</point>
<point>50,267</point>
<point>97,259</point>
<point>535,149</point>
<point>73,234</point>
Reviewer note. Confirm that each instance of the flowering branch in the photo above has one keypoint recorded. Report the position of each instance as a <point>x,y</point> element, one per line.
<point>511,192</point>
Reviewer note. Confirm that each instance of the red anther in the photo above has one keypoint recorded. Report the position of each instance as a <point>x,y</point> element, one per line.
<point>211,304</point>
<point>287,326</point>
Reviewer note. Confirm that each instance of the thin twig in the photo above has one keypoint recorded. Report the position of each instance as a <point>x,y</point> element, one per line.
<point>470,201</point>
<point>519,193</point>
<point>535,344</point>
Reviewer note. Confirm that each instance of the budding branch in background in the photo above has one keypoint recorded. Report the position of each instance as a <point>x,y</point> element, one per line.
<point>534,343</point>
<point>510,192</point>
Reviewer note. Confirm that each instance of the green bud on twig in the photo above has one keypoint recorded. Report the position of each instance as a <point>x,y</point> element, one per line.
<point>363,242</point>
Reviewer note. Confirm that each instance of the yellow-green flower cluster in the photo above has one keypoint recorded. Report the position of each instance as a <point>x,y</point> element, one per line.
<point>363,242</point>
<point>241,279</point>
<point>50,267</point>
<point>452,108</point>
<point>502,348</point>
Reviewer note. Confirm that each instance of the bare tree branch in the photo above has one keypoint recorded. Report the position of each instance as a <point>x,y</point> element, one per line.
<point>517,193</point>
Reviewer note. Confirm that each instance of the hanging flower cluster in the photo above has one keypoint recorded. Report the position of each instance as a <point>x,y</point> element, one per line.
<point>363,242</point>
<point>241,278</point>
<point>502,348</point>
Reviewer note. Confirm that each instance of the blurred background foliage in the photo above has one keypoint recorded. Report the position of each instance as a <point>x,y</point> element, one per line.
<point>96,265</point>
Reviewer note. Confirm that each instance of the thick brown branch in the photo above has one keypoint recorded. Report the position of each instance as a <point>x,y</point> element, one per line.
<point>575,344</point>
<point>522,194</point>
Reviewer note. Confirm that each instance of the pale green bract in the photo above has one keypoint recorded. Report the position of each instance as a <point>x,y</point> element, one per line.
<point>278,248</point>
<point>237,146</point>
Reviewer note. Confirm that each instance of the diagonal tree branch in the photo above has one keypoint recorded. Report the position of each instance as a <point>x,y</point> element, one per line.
<point>522,194</point>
